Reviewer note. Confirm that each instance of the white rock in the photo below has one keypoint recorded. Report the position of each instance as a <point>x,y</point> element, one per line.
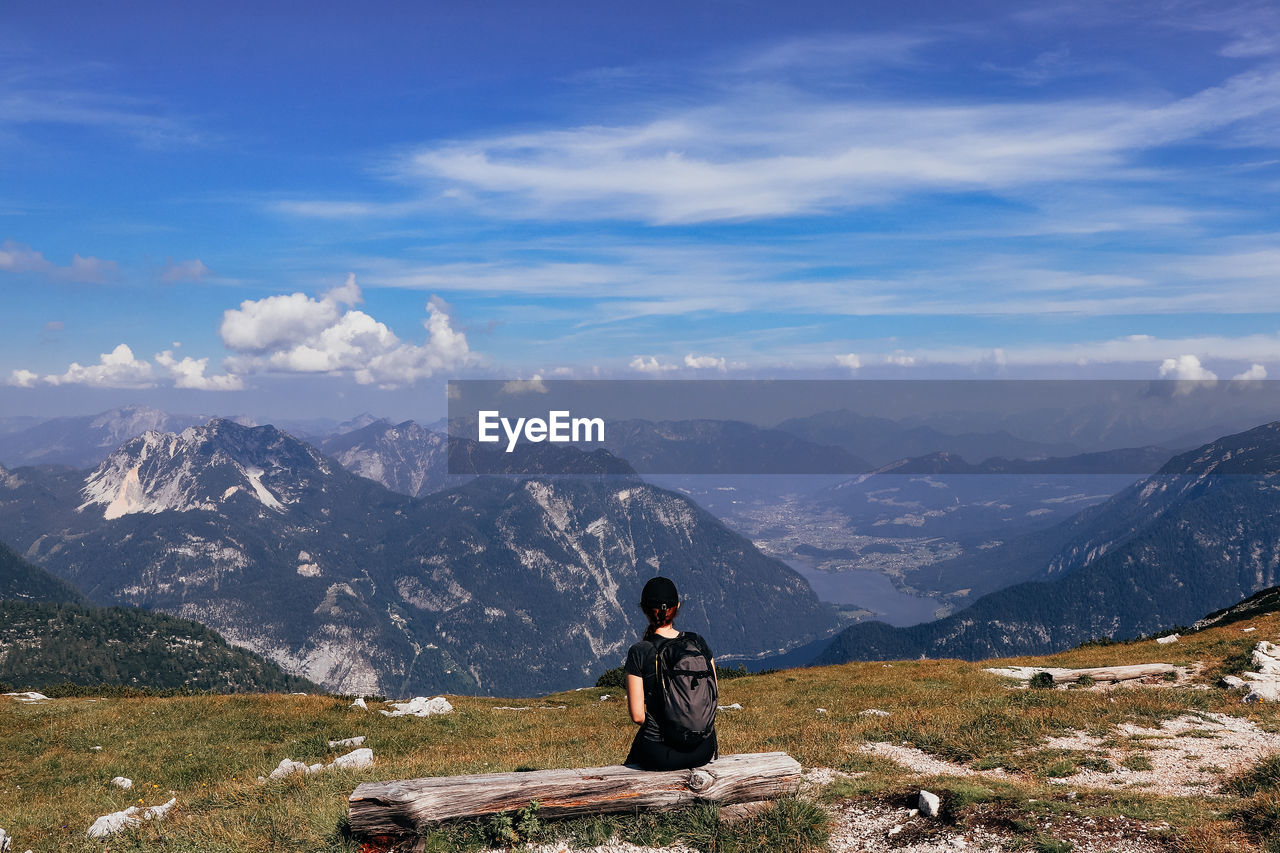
<point>930,804</point>
<point>5,841</point>
<point>734,707</point>
<point>1247,630</point>
<point>874,712</point>
<point>606,697</point>
<point>420,706</point>
<point>895,830</point>
<point>913,812</point>
<point>122,782</point>
<point>114,822</point>
<point>288,766</point>
<point>1233,682</point>
<point>355,759</point>
<point>28,696</point>
<point>820,710</point>
<point>359,703</point>
<point>158,812</point>
<point>1263,691</point>
<point>96,748</point>
<point>347,741</point>
<point>1172,638</point>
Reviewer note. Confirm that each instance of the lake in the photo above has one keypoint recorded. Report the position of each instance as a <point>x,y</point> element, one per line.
<point>869,590</point>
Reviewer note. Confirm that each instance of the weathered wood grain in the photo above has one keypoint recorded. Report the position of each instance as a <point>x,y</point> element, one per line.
<point>410,805</point>
<point>1100,674</point>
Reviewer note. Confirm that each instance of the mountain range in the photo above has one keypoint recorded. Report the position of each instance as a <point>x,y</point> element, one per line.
<point>499,585</point>
<point>1201,533</point>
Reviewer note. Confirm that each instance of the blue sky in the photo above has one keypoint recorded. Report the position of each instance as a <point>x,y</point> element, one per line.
<point>221,208</point>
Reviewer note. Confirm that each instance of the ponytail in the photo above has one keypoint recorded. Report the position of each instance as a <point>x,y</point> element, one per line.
<point>659,616</point>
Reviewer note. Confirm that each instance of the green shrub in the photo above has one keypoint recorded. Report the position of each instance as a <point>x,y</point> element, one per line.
<point>1041,681</point>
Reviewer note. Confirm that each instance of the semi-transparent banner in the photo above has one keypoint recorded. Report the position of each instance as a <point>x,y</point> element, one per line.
<point>576,427</point>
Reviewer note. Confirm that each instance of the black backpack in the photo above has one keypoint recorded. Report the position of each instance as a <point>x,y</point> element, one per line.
<point>688,689</point>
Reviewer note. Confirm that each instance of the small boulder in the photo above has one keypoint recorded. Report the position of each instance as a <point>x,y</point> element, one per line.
<point>287,767</point>
<point>419,706</point>
<point>355,760</point>
<point>122,782</point>
<point>158,812</point>
<point>5,841</point>
<point>930,804</point>
<point>347,741</point>
<point>114,822</point>
<point>1233,682</point>
<point>1263,691</point>
<point>874,712</point>
<point>359,703</point>
<point>734,707</point>
<point>1172,638</point>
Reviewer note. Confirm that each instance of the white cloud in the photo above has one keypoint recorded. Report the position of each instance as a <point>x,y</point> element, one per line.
<point>115,369</point>
<point>178,271</point>
<point>189,373</point>
<point>704,362</point>
<point>23,378</point>
<point>263,325</point>
<point>525,386</point>
<point>650,364</point>
<point>1185,367</point>
<point>761,154</point>
<point>19,258</point>
<point>1255,372</point>
<point>849,360</point>
<point>299,334</point>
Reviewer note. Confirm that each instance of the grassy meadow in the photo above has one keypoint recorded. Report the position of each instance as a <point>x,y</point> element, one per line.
<point>209,751</point>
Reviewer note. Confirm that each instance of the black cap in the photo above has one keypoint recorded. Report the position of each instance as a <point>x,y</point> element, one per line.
<point>659,590</point>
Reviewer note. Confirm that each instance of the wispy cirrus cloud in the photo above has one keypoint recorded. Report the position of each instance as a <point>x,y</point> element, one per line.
<point>43,94</point>
<point>764,152</point>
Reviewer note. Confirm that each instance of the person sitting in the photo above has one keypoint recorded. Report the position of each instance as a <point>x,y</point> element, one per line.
<point>676,718</point>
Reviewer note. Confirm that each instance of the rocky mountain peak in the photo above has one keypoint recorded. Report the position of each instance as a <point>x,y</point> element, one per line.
<point>202,468</point>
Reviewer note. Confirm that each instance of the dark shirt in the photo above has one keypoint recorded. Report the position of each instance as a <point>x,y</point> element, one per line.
<point>640,661</point>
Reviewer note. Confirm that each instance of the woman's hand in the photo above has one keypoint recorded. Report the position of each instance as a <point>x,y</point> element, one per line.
<point>635,698</point>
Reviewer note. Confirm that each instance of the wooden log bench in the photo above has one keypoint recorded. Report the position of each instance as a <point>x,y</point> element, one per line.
<point>412,806</point>
<point>1099,674</point>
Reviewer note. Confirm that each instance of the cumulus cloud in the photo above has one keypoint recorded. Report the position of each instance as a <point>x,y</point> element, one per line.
<point>1255,372</point>
<point>115,369</point>
<point>179,271</point>
<point>849,360</point>
<point>295,333</point>
<point>190,373</point>
<point>704,362</point>
<point>525,386</point>
<point>1185,367</point>
<point>18,257</point>
<point>650,364</point>
<point>24,378</point>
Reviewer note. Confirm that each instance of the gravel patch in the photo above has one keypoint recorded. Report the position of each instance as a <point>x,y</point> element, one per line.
<point>870,827</point>
<point>919,761</point>
<point>1189,755</point>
